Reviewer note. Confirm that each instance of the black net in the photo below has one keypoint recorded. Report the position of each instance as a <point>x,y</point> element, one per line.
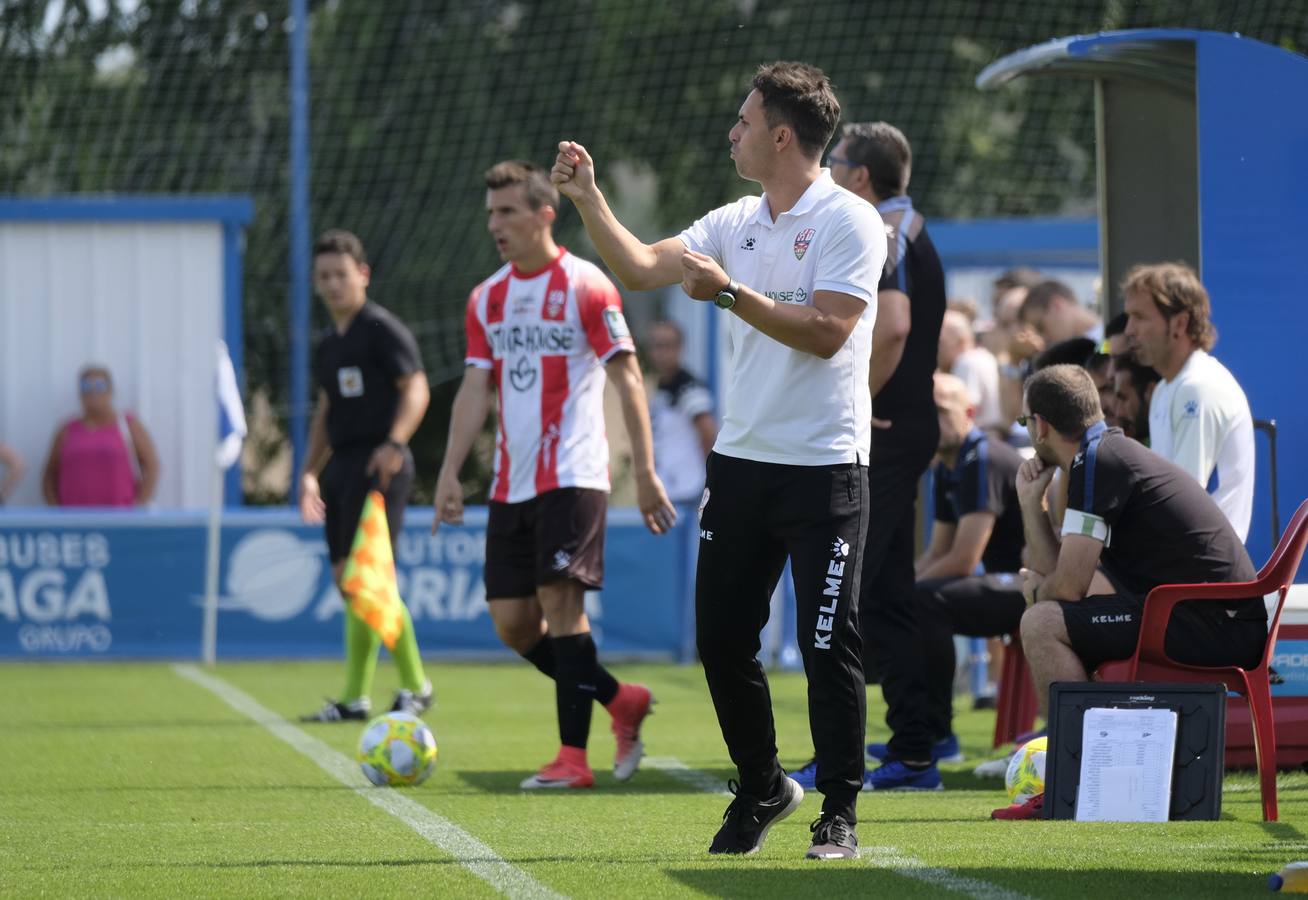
<point>412,100</point>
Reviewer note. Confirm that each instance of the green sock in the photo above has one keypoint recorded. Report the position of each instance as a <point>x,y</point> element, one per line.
<point>361,644</point>
<point>408,660</point>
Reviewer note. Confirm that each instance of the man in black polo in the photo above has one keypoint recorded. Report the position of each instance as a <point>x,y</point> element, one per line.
<point>874,161</point>
<point>977,521</point>
<point>1141,518</point>
<point>372,394</point>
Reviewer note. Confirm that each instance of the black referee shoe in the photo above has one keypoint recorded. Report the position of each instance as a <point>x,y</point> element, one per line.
<point>746,822</point>
<point>407,701</point>
<point>332,711</point>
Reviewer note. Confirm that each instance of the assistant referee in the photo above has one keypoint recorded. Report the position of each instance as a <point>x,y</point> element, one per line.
<point>372,394</point>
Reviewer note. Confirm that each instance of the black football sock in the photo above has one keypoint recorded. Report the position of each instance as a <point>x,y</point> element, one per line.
<point>574,686</point>
<point>606,686</point>
<point>542,656</point>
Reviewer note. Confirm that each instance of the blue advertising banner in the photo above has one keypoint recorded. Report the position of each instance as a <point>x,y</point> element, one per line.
<point>130,584</point>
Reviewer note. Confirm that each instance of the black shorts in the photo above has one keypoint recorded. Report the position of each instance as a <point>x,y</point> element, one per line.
<point>1107,627</point>
<point>345,485</point>
<point>555,535</point>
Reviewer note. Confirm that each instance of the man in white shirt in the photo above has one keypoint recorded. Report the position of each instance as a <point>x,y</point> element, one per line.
<point>681,414</point>
<point>960,356</point>
<point>795,273</point>
<point>1198,416</point>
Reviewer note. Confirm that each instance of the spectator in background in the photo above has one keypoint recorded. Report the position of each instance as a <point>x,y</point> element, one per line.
<point>103,457</point>
<point>1023,277</point>
<point>681,414</point>
<point>1052,311</point>
<point>1100,367</point>
<point>1199,417</point>
<point>1133,388</point>
<point>1115,343</point>
<point>965,306</point>
<point>977,520</point>
<point>13,468</point>
<point>959,355</point>
<point>1014,346</point>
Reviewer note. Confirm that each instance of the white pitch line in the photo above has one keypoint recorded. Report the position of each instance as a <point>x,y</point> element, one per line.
<point>888,858</point>
<point>679,770</point>
<point>467,851</point>
<point>891,859</point>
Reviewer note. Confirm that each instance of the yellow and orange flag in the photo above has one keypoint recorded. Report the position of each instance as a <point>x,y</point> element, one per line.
<point>371,590</point>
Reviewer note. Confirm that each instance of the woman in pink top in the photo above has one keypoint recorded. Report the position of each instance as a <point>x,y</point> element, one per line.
<point>100,458</point>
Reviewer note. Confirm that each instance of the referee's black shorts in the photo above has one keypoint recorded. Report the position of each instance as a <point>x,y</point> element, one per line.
<point>345,485</point>
<point>1107,627</point>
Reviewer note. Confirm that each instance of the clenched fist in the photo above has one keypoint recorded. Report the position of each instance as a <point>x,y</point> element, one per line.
<point>574,170</point>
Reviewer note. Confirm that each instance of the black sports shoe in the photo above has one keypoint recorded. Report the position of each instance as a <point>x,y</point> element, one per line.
<point>833,838</point>
<point>407,701</point>
<point>746,822</point>
<point>354,711</point>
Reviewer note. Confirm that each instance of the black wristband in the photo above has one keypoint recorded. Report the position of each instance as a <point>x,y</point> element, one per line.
<point>391,442</point>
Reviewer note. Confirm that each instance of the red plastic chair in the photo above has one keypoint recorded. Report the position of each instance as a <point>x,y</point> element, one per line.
<point>1015,701</point>
<point>1151,663</point>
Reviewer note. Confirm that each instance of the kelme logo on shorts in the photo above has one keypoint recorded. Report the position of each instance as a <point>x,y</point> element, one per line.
<point>802,240</point>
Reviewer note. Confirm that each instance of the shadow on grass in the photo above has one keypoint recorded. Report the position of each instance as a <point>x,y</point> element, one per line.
<point>647,781</point>
<point>865,878</point>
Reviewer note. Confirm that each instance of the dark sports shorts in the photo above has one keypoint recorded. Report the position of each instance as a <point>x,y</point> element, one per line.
<point>555,535</point>
<point>344,483</point>
<point>1107,627</point>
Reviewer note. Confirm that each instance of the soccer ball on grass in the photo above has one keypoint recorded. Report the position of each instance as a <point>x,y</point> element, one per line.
<point>1026,771</point>
<point>397,750</point>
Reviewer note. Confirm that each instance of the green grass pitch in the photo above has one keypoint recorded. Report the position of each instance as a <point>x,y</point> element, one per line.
<point>130,780</point>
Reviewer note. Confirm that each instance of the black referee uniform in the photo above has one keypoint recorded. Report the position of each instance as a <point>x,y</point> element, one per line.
<point>358,370</point>
<point>899,457</point>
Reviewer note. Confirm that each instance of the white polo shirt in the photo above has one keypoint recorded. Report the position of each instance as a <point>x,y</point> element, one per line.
<point>1200,420</point>
<point>783,405</point>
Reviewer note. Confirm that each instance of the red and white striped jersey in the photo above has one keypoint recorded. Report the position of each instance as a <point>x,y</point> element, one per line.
<point>545,336</point>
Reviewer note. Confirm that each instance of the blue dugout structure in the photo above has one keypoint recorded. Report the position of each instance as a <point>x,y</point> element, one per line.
<point>1201,159</point>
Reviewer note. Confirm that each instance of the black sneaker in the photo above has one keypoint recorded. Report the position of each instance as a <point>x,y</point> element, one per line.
<point>414,704</point>
<point>746,822</point>
<point>354,711</point>
<point>833,838</point>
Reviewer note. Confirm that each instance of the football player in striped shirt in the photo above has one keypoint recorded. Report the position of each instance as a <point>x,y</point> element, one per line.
<point>544,332</point>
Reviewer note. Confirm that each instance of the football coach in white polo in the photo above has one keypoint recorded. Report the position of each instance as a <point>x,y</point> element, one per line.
<point>795,274</point>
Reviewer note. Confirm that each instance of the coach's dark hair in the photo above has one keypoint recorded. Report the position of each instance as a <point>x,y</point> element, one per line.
<point>338,240</point>
<point>1041,295</point>
<point>540,190</point>
<point>884,151</point>
<point>1065,397</point>
<point>799,95</point>
<point>1175,288</point>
